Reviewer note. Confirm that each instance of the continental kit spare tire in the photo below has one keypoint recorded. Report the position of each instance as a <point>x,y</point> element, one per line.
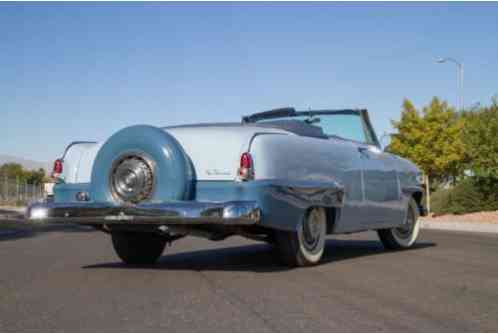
<point>141,164</point>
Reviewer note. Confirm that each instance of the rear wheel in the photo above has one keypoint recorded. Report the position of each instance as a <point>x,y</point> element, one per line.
<point>304,247</point>
<point>138,248</point>
<point>403,236</point>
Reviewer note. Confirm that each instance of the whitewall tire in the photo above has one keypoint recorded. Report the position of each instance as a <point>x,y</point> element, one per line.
<point>305,246</point>
<point>403,236</point>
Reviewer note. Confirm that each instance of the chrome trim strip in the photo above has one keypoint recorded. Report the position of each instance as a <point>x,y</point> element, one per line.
<point>181,212</point>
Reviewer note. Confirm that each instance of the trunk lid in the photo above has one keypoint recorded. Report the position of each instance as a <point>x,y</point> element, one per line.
<point>215,150</point>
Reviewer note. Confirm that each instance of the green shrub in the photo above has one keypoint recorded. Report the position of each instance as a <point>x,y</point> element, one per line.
<point>439,201</point>
<point>470,195</point>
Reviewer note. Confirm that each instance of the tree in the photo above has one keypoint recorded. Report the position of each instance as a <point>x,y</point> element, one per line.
<point>481,141</point>
<point>35,177</point>
<point>431,139</point>
<point>16,171</point>
<point>12,170</point>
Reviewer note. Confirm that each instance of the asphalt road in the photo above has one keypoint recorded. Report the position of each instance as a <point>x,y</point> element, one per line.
<point>71,280</point>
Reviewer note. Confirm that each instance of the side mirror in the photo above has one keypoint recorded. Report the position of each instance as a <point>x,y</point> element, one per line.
<point>384,141</point>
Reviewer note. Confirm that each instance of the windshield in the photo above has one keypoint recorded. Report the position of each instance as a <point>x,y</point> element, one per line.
<point>344,125</point>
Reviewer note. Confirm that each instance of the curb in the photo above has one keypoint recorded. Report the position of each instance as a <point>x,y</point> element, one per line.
<point>460,226</point>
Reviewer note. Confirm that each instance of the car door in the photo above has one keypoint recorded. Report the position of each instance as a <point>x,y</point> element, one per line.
<point>371,188</point>
<point>345,164</point>
<point>381,188</point>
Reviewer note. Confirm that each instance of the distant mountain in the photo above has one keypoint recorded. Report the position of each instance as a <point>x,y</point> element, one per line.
<point>26,163</point>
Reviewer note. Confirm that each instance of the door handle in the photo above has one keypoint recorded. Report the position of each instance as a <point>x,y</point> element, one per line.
<point>363,150</point>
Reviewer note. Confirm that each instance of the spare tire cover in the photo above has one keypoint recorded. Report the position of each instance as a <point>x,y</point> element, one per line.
<point>173,173</point>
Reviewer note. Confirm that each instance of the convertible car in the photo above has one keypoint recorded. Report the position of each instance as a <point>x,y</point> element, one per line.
<point>282,176</point>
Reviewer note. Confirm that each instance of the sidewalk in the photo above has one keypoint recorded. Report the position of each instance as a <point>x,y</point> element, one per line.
<point>19,209</point>
<point>462,226</point>
<point>12,213</point>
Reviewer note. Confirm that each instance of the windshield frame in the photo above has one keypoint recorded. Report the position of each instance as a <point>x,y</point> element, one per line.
<point>369,132</point>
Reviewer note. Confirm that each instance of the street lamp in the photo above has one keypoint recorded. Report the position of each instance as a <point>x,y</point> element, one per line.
<point>383,139</point>
<point>459,77</point>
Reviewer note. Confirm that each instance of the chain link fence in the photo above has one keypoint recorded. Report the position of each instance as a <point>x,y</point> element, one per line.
<point>15,192</point>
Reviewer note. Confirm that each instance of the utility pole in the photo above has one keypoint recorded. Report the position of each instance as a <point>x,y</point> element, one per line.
<point>17,188</point>
<point>5,188</point>
<point>427,194</point>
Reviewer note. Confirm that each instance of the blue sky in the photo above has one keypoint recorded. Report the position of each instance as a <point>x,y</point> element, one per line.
<point>83,71</point>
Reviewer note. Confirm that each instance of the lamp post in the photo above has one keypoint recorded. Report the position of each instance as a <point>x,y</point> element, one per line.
<point>459,77</point>
<point>384,136</point>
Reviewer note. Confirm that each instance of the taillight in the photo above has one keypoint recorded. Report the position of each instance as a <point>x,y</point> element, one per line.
<point>57,171</point>
<point>246,169</point>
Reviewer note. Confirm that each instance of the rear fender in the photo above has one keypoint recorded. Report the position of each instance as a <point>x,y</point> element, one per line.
<point>77,161</point>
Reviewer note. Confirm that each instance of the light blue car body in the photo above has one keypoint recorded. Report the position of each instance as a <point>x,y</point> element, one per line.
<point>361,186</point>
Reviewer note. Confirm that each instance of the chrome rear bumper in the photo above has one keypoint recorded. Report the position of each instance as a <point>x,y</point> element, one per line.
<point>168,213</point>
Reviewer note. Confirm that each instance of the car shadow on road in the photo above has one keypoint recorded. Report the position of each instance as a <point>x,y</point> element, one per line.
<point>257,257</point>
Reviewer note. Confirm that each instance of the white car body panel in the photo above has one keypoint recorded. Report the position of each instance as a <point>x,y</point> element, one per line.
<point>214,151</point>
<point>78,162</point>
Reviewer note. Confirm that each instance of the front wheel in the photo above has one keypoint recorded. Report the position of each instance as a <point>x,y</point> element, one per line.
<point>138,248</point>
<point>304,247</point>
<point>405,235</point>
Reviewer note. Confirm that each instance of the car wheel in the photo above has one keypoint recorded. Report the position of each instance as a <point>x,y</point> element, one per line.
<point>304,247</point>
<point>403,236</point>
<point>138,248</point>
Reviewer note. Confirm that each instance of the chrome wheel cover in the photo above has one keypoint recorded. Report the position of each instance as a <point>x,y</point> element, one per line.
<point>312,232</point>
<point>405,231</point>
<point>132,178</point>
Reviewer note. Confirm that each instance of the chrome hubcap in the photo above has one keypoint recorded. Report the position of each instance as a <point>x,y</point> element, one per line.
<point>132,179</point>
<point>405,231</point>
<point>311,230</point>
